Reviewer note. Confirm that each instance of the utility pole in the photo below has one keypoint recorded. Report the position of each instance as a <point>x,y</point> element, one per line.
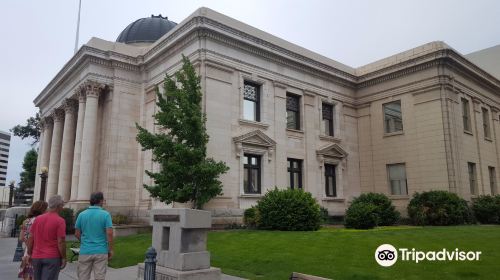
<point>78,26</point>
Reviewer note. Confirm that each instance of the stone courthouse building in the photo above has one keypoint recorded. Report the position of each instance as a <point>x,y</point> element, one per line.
<point>277,114</point>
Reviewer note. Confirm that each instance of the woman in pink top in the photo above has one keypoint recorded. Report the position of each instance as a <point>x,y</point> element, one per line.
<point>26,268</point>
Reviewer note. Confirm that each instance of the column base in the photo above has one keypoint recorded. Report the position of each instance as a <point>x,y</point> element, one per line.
<point>162,272</point>
<point>77,204</point>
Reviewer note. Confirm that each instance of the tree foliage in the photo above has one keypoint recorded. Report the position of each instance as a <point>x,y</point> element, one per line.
<point>186,174</point>
<point>30,130</point>
<point>28,174</point>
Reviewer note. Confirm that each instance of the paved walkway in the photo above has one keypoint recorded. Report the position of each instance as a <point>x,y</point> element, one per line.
<point>8,268</point>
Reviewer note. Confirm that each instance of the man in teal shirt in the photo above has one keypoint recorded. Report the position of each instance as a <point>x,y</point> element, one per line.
<point>94,230</point>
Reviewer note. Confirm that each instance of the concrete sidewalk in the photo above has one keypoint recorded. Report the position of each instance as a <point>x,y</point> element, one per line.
<point>8,268</point>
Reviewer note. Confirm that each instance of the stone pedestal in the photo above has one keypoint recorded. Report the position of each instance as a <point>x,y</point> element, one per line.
<point>180,238</point>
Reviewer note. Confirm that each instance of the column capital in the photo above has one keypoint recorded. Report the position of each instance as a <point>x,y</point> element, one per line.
<point>57,115</point>
<point>70,106</point>
<point>79,93</point>
<point>94,89</point>
<point>46,123</point>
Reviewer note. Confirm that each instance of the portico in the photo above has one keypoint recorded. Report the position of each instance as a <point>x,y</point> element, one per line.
<point>69,139</point>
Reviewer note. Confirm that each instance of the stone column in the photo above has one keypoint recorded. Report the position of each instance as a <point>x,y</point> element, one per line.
<point>68,143</point>
<point>78,144</point>
<point>36,191</point>
<point>55,152</point>
<point>89,140</point>
<point>46,144</point>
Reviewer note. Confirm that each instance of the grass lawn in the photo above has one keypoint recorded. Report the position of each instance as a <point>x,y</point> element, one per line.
<point>338,253</point>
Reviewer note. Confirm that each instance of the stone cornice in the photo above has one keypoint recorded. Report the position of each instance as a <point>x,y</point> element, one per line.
<point>202,27</point>
<point>446,57</point>
<point>87,55</point>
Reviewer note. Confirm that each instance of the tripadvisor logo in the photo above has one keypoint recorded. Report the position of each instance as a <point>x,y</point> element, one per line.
<point>387,255</point>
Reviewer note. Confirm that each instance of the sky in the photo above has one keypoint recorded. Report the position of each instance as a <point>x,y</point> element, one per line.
<point>38,37</point>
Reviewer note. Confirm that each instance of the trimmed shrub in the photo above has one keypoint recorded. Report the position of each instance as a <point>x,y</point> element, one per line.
<point>486,209</point>
<point>361,216</point>
<point>386,212</point>
<point>288,209</point>
<point>251,217</point>
<point>119,219</point>
<point>67,215</point>
<point>438,208</point>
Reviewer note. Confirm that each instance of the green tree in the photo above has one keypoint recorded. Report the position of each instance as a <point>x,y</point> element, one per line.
<point>28,174</point>
<point>186,174</point>
<point>30,130</point>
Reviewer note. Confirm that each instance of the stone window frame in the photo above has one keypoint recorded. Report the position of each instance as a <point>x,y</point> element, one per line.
<point>386,132</point>
<point>389,180</point>
<point>339,160</point>
<point>263,146</point>
<point>263,106</point>
<point>291,170</point>
<point>466,115</point>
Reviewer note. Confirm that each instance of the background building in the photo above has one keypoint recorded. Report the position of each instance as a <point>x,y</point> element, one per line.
<point>4,156</point>
<point>277,114</point>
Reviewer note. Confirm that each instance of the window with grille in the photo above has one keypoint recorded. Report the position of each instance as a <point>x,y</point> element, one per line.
<point>251,101</point>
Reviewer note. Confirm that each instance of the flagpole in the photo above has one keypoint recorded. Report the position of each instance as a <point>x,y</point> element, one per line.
<point>78,26</point>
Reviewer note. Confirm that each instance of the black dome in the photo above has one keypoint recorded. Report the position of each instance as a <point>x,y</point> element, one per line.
<point>146,30</point>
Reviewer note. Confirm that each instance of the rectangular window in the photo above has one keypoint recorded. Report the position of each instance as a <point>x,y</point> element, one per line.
<point>292,111</point>
<point>486,123</point>
<point>393,120</point>
<point>251,101</point>
<point>493,180</point>
<point>397,179</point>
<point>330,181</point>
<point>294,173</point>
<point>466,115</point>
<point>472,177</point>
<point>327,115</point>
<point>251,176</point>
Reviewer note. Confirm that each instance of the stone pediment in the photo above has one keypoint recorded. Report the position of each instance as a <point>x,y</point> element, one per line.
<point>332,150</point>
<point>256,138</point>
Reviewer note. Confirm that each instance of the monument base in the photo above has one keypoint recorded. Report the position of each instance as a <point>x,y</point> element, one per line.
<point>164,273</point>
